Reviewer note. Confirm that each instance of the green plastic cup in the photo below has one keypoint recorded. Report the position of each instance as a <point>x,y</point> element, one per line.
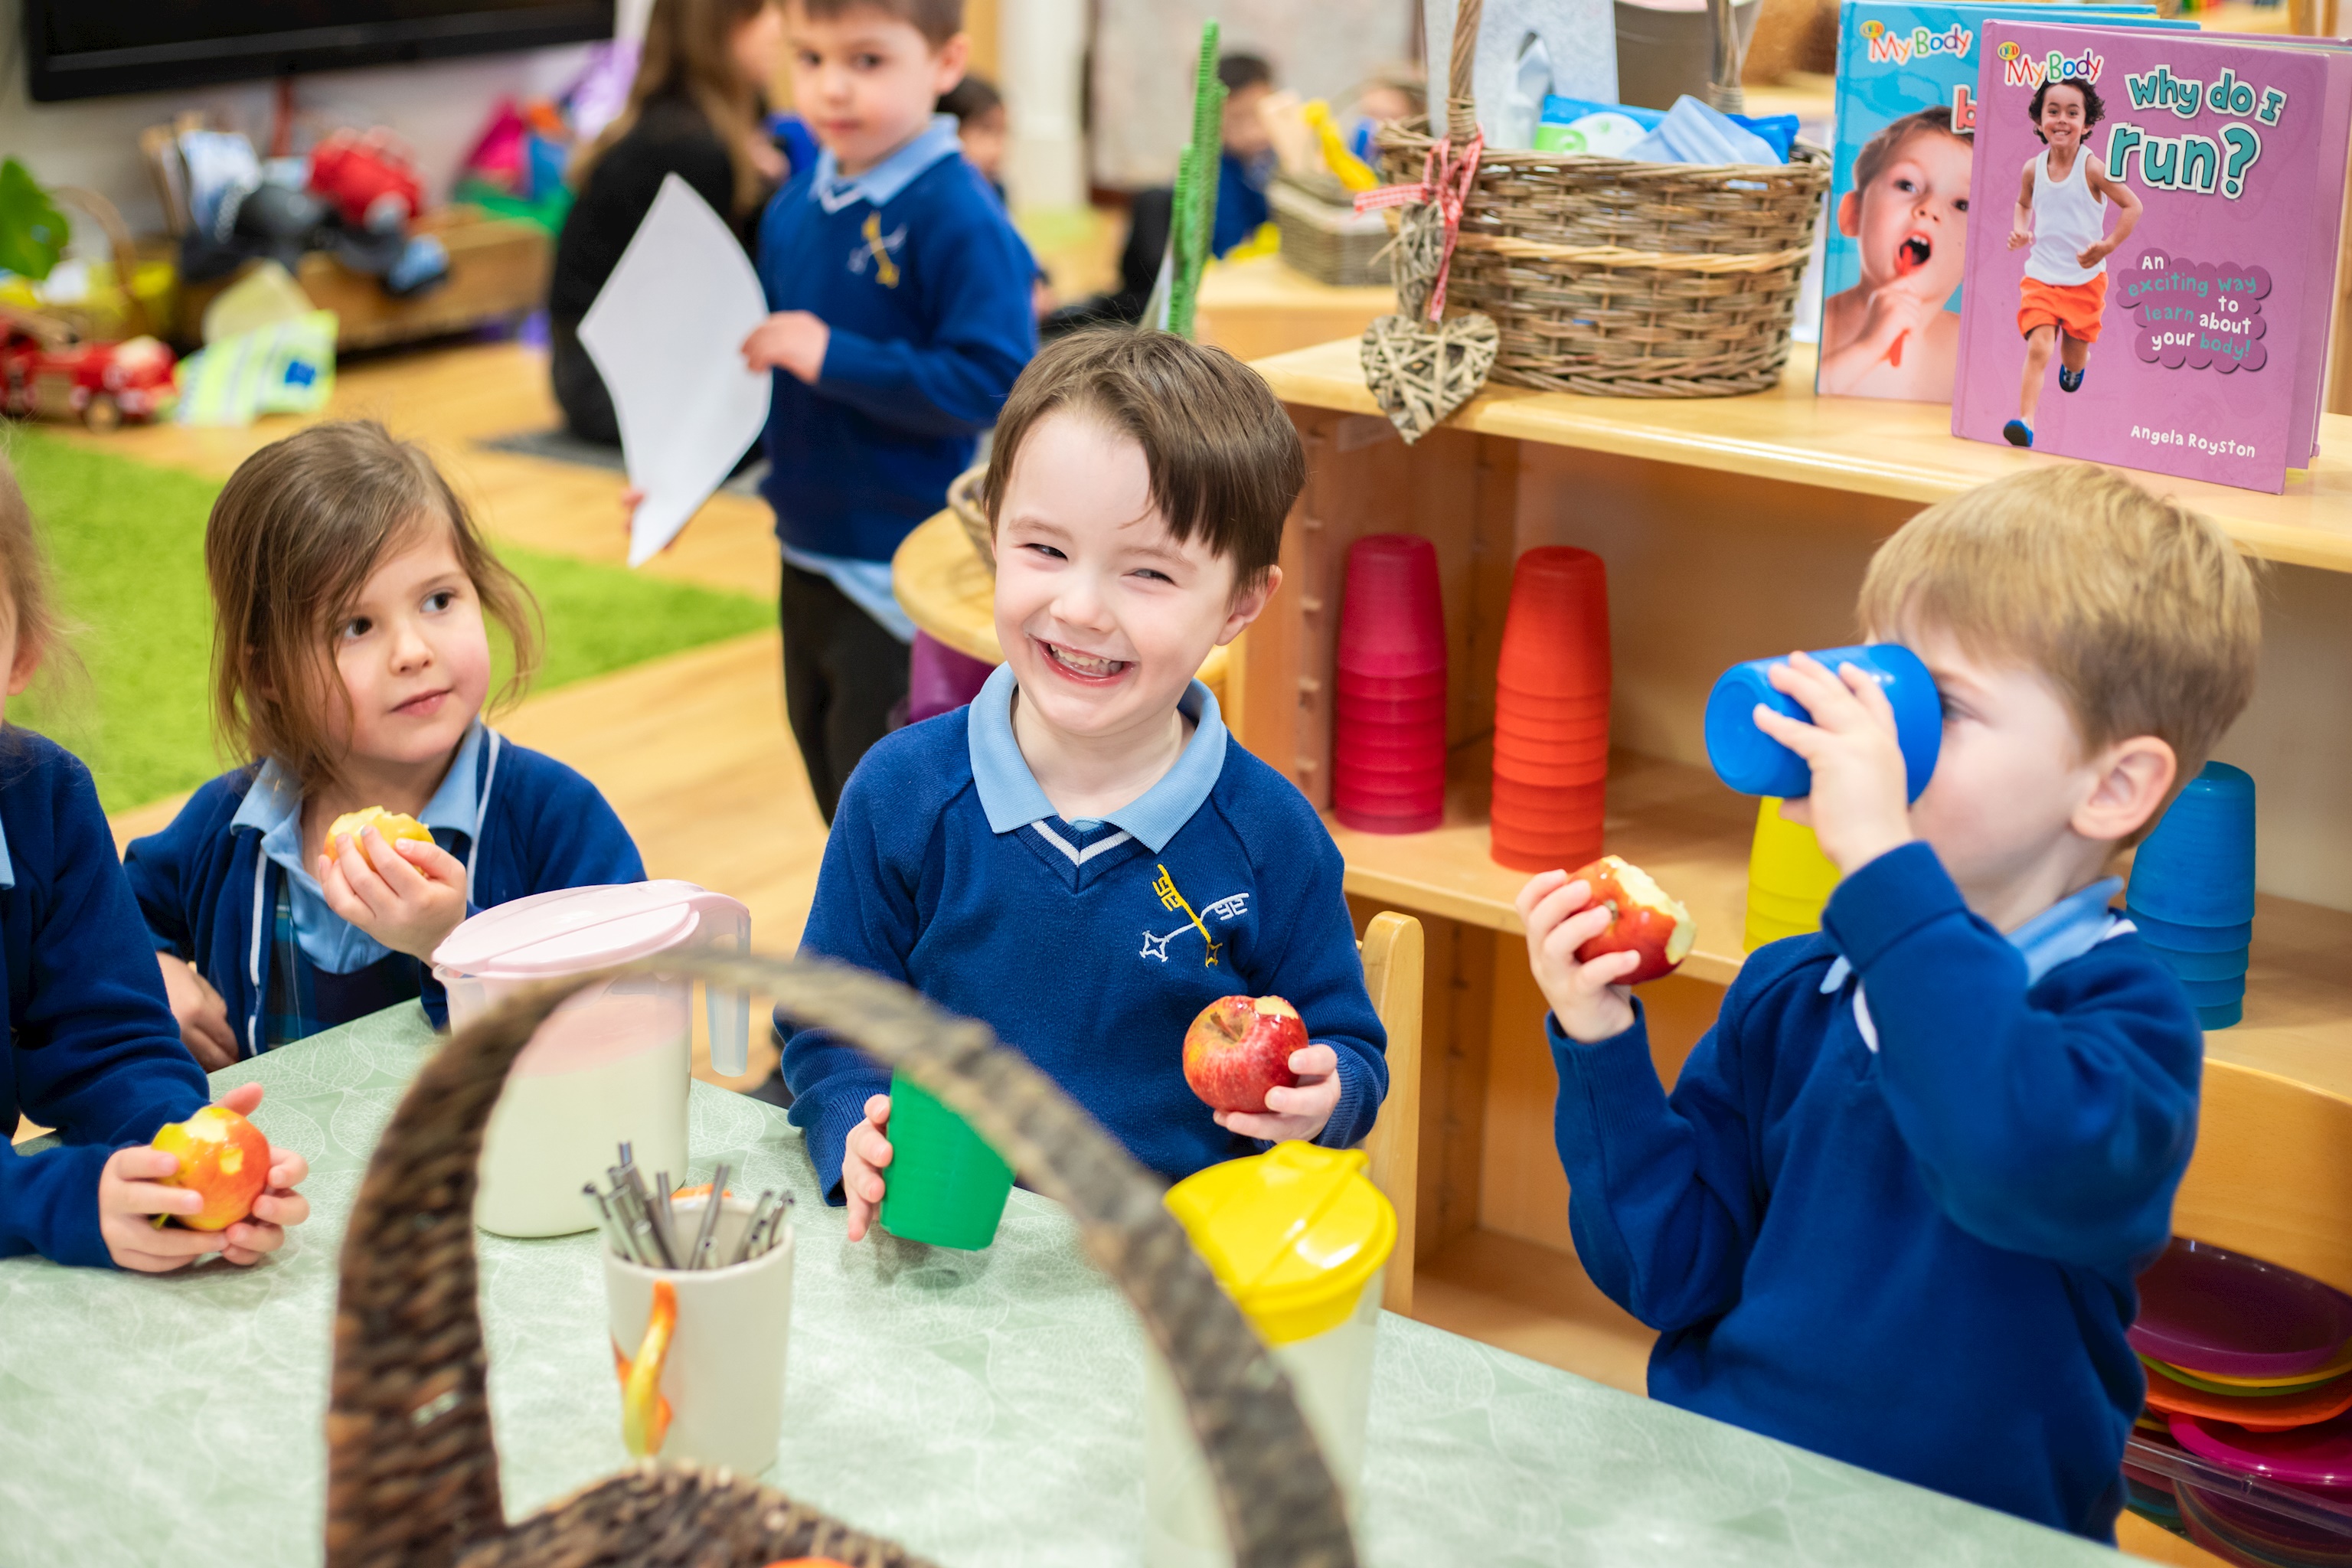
<point>944,1185</point>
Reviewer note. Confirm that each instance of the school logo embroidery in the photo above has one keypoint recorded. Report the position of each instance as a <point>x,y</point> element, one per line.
<point>1226,911</point>
<point>877,251</point>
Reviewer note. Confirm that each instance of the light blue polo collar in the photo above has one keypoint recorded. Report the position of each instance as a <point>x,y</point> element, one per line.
<point>7,865</point>
<point>830,190</point>
<point>2066,931</point>
<point>1010,798</point>
<point>273,809</point>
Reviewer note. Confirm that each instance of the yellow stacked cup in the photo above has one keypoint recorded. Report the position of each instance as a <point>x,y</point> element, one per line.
<point>1789,878</point>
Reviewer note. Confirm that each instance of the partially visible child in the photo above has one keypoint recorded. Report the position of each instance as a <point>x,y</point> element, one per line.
<point>350,665</point>
<point>1894,1206</point>
<point>92,1050</point>
<point>2061,200</point>
<point>1889,335</point>
<point>903,312</point>
<point>982,128</point>
<point>1083,857</point>
<point>1247,161</point>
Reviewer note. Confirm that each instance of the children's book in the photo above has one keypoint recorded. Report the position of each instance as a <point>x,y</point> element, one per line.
<point>2152,238</point>
<point>1897,222</point>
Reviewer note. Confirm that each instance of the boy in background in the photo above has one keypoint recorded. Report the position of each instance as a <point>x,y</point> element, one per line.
<point>902,316</point>
<point>1889,335</point>
<point>1081,858</point>
<point>2062,213</point>
<point>1894,1206</point>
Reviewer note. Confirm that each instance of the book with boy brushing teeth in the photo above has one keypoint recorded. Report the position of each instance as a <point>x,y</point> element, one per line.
<point>1895,239</point>
<point>2152,240</point>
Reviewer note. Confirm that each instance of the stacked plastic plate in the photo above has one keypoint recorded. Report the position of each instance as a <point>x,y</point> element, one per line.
<point>2246,1444</point>
<point>2192,891</point>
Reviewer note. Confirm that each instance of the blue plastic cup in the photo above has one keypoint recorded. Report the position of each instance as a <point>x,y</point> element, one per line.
<point>1753,762</point>
<point>2175,938</point>
<point>2204,993</point>
<point>2203,965</point>
<point>2221,1017</point>
<point>2198,868</point>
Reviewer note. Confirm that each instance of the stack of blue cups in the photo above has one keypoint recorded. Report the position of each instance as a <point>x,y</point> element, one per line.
<point>2192,891</point>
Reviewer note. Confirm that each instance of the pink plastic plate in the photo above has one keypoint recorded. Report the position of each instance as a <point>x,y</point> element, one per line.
<point>2213,1310</point>
<point>2318,1456</point>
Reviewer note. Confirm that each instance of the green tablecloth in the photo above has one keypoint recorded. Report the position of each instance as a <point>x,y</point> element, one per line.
<point>983,1409</point>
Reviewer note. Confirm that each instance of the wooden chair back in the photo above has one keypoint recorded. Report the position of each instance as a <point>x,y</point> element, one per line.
<point>1393,973</point>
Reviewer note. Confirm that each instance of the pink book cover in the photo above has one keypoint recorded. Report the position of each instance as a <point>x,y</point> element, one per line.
<point>2150,260</point>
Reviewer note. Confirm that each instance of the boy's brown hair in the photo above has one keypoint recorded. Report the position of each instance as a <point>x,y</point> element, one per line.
<point>937,20</point>
<point>295,534</point>
<point>2138,609</point>
<point>25,577</point>
<point>1224,462</point>
<point>1879,151</point>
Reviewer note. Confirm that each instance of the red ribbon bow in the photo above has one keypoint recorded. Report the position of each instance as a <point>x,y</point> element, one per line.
<point>1445,180</point>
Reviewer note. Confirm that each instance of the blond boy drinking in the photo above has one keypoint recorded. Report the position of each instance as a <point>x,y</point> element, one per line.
<point>1894,1206</point>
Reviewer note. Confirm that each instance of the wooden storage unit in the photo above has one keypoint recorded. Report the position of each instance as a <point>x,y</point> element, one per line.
<point>1732,528</point>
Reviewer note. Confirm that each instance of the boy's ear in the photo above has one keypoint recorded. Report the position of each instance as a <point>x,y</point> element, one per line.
<point>2134,780</point>
<point>1248,604</point>
<point>953,60</point>
<point>1849,214</point>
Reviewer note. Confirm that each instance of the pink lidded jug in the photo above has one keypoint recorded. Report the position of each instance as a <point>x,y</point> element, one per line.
<point>613,1063</point>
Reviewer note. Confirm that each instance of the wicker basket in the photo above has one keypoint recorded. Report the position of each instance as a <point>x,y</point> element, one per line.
<point>963,500</point>
<point>412,1475</point>
<point>1323,237</point>
<point>1622,279</point>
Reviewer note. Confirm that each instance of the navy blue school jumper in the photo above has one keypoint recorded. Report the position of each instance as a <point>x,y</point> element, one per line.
<point>93,1050</point>
<point>1089,947</point>
<point>1894,1207</point>
<point>521,822</point>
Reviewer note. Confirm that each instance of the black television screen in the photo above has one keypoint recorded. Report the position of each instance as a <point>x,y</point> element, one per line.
<point>78,48</point>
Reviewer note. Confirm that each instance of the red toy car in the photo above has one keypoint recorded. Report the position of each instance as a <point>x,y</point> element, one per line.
<point>101,384</point>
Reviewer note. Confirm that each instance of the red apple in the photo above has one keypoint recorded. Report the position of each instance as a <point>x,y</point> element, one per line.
<point>1643,920</point>
<point>223,1157</point>
<point>1239,1048</point>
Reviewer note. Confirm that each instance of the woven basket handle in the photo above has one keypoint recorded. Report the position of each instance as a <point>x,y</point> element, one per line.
<point>1461,100</point>
<point>412,1474</point>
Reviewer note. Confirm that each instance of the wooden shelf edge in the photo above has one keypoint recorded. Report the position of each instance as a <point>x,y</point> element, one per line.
<point>1896,450</point>
<point>1532,1300</point>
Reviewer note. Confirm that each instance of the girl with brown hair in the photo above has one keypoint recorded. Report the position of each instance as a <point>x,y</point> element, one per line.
<point>351,662</point>
<point>91,1049</point>
<point>693,110</point>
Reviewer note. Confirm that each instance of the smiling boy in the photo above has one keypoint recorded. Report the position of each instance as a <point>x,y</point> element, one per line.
<point>1894,1206</point>
<point>2061,200</point>
<point>1083,858</point>
<point>1889,335</point>
<point>902,314</point>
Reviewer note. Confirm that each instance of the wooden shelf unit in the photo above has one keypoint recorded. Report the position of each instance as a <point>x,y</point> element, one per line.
<point>1730,527</point>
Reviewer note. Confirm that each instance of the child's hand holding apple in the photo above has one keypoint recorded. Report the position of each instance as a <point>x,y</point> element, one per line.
<point>1249,1060</point>
<point>140,1188</point>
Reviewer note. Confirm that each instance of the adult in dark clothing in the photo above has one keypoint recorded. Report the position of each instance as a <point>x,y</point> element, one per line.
<point>694,112</point>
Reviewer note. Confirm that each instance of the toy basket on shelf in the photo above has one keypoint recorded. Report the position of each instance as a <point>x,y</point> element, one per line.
<point>413,1474</point>
<point>1324,237</point>
<point>1622,279</point>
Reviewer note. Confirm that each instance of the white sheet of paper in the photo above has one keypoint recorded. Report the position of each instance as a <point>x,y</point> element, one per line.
<point>666,332</point>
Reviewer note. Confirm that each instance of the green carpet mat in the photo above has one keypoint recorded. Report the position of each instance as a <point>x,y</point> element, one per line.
<point>127,542</point>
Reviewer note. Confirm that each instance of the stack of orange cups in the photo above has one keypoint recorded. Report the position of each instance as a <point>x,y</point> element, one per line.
<point>1551,712</point>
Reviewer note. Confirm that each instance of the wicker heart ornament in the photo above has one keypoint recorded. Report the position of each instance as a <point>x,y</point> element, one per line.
<point>1420,371</point>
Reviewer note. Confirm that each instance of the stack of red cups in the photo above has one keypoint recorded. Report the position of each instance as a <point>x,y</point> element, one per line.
<point>1551,712</point>
<point>1387,735</point>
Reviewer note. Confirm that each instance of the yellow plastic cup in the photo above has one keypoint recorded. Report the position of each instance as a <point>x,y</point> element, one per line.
<point>1789,878</point>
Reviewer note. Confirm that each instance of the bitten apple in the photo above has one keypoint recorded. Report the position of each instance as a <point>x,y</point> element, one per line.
<point>1643,920</point>
<point>222,1156</point>
<point>1239,1048</point>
